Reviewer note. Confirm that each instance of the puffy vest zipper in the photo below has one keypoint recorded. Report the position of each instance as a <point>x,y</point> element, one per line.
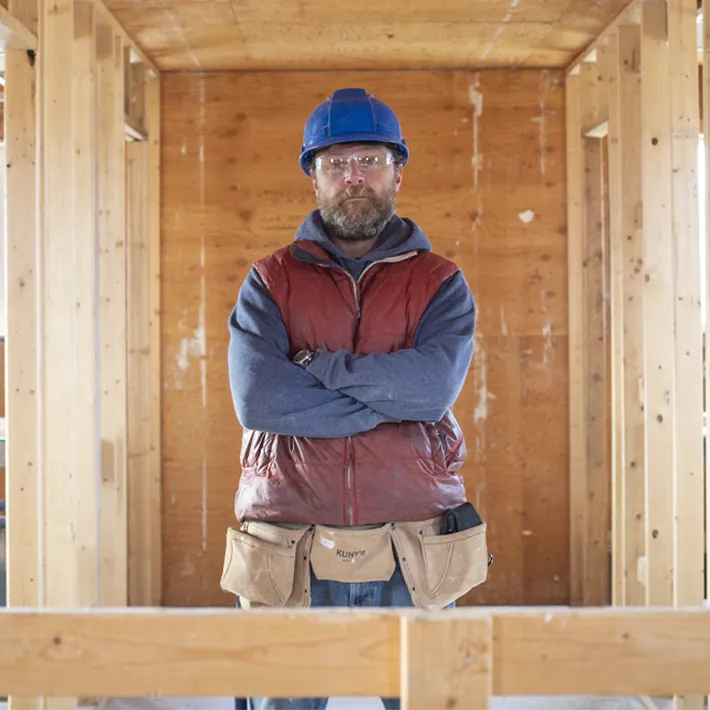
<point>349,482</point>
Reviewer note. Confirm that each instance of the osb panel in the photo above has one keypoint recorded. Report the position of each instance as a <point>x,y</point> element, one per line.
<point>486,182</point>
<point>298,34</point>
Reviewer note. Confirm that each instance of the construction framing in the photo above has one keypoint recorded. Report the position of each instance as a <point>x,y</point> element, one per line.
<point>451,659</point>
<point>83,299</point>
<point>635,312</point>
<point>82,139</point>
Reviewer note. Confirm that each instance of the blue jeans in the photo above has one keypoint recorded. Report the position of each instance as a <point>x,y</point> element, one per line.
<point>324,593</point>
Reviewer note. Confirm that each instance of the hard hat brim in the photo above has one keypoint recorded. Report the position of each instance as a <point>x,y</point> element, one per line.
<point>399,146</point>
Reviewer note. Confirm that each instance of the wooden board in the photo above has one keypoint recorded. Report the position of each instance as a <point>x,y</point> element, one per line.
<point>689,552</point>
<point>629,207</point>
<point>209,652</point>
<point>460,650</point>
<point>140,505</point>
<point>155,460</point>
<point>299,34</point>
<point>24,482</point>
<point>112,314</point>
<point>86,351</point>
<point>14,34</point>
<point>658,303</point>
<point>486,182</point>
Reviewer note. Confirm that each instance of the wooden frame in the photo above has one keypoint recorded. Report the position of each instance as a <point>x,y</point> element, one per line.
<point>590,502</point>
<point>464,655</point>
<point>53,480</point>
<point>15,33</point>
<point>706,131</point>
<point>621,88</point>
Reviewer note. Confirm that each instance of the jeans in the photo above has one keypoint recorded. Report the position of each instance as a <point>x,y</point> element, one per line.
<point>324,593</point>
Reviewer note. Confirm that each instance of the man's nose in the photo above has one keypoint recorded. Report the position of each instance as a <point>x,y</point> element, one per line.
<point>353,176</point>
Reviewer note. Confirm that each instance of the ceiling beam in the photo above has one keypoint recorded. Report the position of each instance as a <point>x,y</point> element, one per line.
<point>13,33</point>
<point>110,19</point>
<point>629,15</point>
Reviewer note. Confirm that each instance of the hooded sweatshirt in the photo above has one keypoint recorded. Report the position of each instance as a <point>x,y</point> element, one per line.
<point>341,393</point>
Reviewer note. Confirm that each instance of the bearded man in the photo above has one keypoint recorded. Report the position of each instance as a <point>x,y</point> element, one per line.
<point>348,350</point>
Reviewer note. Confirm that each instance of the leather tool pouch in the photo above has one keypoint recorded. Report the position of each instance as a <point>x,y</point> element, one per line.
<point>360,555</point>
<point>267,565</point>
<point>438,569</point>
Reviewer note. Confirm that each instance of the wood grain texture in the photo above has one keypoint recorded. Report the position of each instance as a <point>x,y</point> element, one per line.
<point>658,304</point>
<point>203,35</point>
<point>462,650</point>
<point>486,182</point>
<point>14,34</point>
<point>211,652</point>
<point>23,328</point>
<point>630,208</point>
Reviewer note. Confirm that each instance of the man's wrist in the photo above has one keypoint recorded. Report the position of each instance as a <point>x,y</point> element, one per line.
<point>303,358</point>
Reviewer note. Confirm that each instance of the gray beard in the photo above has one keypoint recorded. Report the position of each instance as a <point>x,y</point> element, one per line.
<point>357,221</point>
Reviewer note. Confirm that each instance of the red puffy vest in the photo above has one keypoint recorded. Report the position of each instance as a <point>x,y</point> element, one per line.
<point>393,473</point>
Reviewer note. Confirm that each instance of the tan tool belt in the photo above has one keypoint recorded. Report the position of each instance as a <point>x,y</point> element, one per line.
<point>269,565</point>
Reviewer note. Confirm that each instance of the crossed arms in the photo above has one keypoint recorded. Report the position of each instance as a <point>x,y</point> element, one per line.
<point>339,393</point>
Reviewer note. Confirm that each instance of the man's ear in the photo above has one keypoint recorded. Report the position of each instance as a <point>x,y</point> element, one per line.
<point>398,177</point>
<point>315,183</point>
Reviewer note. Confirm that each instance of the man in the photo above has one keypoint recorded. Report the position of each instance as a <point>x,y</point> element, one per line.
<point>348,349</point>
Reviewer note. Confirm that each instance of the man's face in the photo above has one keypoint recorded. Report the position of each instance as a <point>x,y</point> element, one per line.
<point>356,187</point>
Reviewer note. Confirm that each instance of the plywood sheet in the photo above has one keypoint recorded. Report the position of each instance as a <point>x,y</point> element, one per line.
<point>199,35</point>
<point>486,182</point>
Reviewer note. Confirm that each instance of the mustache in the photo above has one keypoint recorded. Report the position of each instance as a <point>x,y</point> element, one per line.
<point>356,191</point>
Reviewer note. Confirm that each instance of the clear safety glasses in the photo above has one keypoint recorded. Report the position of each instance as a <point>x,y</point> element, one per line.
<point>364,161</point>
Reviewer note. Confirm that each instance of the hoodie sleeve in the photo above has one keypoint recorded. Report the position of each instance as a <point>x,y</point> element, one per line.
<point>416,384</point>
<point>272,394</point>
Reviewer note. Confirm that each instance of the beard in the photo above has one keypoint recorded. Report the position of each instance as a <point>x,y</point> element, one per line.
<point>358,220</point>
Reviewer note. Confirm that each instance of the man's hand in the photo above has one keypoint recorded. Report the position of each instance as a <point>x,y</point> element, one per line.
<point>419,383</point>
<point>272,395</point>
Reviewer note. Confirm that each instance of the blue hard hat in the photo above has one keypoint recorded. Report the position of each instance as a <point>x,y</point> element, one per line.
<point>351,116</point>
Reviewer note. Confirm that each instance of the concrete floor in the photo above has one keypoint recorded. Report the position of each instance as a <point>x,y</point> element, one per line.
<point>579,702</point>
<point>499,703</point>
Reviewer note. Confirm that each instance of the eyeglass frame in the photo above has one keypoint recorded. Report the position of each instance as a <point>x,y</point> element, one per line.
<point>389,159</point>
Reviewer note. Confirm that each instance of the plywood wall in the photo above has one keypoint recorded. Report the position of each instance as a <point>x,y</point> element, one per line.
<point>486,182</point>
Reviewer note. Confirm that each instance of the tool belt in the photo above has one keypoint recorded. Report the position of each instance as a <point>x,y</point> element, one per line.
<point>266,564</point>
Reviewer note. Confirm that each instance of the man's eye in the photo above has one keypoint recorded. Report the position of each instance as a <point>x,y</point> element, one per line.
<point>337,163</point>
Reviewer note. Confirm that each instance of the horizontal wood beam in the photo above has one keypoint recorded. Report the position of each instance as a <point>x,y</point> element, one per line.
<point>217,652</point>
<point>630,15</point>
<point>109,18</point>
<point>13,32</point>
<point>133,133</point>
<point>599,131</point>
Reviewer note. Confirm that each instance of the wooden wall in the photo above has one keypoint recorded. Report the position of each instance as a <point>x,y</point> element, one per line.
<point>486,181</point>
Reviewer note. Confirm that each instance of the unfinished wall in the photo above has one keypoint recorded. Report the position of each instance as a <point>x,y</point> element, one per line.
<point>485,181</point>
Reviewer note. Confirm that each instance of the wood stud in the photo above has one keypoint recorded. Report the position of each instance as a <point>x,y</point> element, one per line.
<point>66,185</point>
<point>656,466</point>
